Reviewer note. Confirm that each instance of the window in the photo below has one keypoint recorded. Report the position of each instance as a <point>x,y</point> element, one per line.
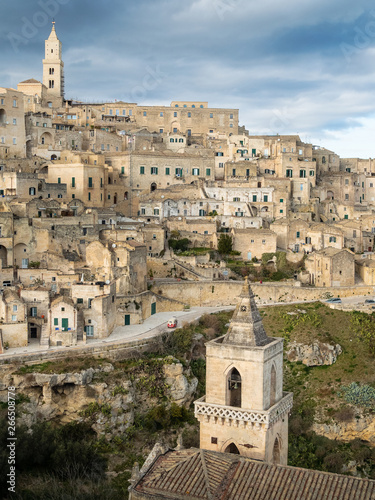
<point>208,171</point>
<point>167,171</point>
<point>171,139</point>
<point>281,200</point>
<point>161,130</point>
<point>265,198</point>
<point>144,113</point>
<point>254,197</point>
<point>347,197</point>
<point>14,103</point>
<point>142,170</point>
<point>221,165</point>
<point>123,170</point>
<point>15,308</point>
<point>143,211</point>
<point>231,116</point>
<point>90,182</point>
<point>289,172</point>
<point>180,140</point>
<point>189,115</point>
<point>89,197</point>
<point>34,311</point>
<point>14,121</point>
<point>195,171</point>
<point>175,130</point>
<point>211,115</point>
<point>263,242</point>
<point>311,173</point>
<point>14,317</point>
<point>14,141</point>
<point>332,239</point>
<point>73,182</point>
<point>233,172</point>
<point>175,114</point>
<point>56,321</point>
<point>298,234</point>
<point>156,212</point>
<point>281,211</point>
<point>302,173</point>
<point>109,196</point>
<point>59,180</point>
<point>89,330</point>
<point>178,172</point>
<point>79,301</point>
<point>161,113</point>
<point>300,152</point>
<point>154,170</point>
<point>31,191</point>
<point>231,125</point>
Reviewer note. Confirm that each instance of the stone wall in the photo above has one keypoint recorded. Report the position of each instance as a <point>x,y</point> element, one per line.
<point>220,293</point>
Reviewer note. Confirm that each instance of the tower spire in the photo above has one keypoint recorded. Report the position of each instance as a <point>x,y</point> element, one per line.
<point>246,327</point>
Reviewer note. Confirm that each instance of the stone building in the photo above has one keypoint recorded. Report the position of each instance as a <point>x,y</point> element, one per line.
<point>12,124</point>
<point>234,419</point>
<point>253,242</point>
<point>331,267</point>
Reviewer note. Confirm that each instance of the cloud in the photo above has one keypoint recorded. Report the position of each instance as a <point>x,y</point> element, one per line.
<point>290,67</point>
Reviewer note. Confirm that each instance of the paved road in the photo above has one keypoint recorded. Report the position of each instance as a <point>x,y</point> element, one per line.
<point>157,323</point>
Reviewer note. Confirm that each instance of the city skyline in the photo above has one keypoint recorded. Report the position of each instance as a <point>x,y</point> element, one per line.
<point>300,69</point>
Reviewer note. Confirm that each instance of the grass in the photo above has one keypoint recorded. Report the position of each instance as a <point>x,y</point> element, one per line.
<point>321,383</point>
<point>66,365</point>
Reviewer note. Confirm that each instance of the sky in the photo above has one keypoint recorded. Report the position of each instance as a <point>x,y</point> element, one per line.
<point>297,67</point>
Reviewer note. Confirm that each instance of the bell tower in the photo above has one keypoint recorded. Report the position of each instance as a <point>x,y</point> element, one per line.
<point>53,70</point>
<point>245,410</point>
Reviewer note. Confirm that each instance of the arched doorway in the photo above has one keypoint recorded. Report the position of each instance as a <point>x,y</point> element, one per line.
<point>273,386</point>
<point>232,448</point>
<point>276,452</point>
<point>3,256</point>
<point>330,195</point>
<point>53,157</point>
<point>46,138</point>
<point>21,256</point>
<point>153,187</point>
<point>234,388</point>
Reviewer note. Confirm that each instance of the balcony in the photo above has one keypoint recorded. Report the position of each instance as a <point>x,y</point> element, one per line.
<point>237,416</point>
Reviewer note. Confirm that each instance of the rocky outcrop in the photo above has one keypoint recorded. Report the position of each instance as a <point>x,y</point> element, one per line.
<point>181,389</point>
<point>315,354</point>
<point>361,427</point>
<point>105,397</point>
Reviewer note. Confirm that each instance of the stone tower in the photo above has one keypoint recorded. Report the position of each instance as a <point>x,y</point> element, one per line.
<point>245,410</point>
<point>53,70</point>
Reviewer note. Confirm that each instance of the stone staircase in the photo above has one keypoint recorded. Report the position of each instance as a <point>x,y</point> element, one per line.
<point>44,336</point>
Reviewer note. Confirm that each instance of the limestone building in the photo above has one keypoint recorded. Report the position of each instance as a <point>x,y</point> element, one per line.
<point>245,410</point>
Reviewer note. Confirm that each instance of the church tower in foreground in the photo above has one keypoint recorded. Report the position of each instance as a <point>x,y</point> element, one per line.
<point>245,410</point>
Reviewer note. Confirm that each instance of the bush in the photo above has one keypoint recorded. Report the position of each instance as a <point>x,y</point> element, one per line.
<point>355,394</point>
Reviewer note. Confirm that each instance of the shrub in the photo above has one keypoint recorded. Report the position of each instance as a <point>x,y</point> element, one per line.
<point>355,394</point>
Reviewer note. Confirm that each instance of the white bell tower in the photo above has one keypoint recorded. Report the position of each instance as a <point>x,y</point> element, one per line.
<point>53,70</point>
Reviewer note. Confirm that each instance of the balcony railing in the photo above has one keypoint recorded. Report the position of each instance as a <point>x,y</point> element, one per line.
<point>231,414</point>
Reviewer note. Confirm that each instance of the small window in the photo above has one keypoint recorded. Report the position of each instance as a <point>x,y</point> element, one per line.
<point>15,308</point>
<point>56,321</point>
<point>141,170</point>
<point>144,113</point>
<point>14,317</point>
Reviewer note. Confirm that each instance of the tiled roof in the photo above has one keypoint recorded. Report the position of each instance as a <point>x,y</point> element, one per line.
<point>202,474</point>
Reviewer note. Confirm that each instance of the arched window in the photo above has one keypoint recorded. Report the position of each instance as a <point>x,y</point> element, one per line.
<point>125,195</point>
<point>232,448</point>
<point>234,388</point>
<point>323,159</point>
<point>273,386</point>
<point>276,452</point>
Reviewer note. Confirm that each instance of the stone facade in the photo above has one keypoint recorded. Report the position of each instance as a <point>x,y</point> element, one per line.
<point>234,419</point>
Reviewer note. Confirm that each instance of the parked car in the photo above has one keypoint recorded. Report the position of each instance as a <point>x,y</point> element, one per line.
<point>369,301</point>
<point>172,323</point>
<point>334,300</point>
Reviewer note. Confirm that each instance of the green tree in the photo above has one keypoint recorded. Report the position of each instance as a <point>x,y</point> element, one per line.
<point>225,244</point>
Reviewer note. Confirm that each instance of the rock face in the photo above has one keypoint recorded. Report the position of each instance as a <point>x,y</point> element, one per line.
<point>107,400</point>
<point>361,428</point>
<point>181,390</point>
<point>315,354</point>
